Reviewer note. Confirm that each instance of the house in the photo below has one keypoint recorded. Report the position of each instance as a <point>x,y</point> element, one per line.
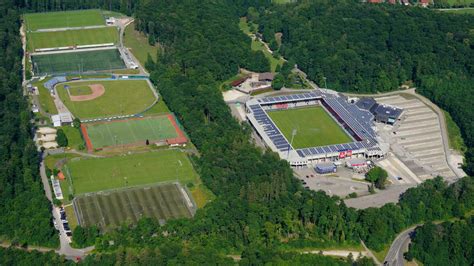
<point>266,76</point>
<point>424,3</point>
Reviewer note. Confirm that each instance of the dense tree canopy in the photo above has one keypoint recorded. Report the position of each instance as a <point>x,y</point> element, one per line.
<point>449,243</point>
<point>259,207</point>
<point>376,48</point>
<point>24,210</point>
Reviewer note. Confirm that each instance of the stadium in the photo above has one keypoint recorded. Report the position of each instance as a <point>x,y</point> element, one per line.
<point>314,127</point>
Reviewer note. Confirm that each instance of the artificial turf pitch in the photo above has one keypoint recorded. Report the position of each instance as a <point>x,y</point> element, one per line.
<point>77,62</point>
<point>130,131</point>
<point>121,97</point>
<point>98,174</point>
<point>63,19</point>
<point>111,209</point>
<point>51,39</point>
<point>314,127</point>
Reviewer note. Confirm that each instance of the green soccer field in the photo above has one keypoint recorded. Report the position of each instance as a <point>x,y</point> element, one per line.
<point>130,131</point>
<point>77,62</point>
<point>37,40</point>
<point>314,127</point>
<point>97,174</point>
<point>63,19</point>
<point>121,97</point>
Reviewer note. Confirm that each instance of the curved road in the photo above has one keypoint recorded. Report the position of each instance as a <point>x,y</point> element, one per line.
<point>398,247</point>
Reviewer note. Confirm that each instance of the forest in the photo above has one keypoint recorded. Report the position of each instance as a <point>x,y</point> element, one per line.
<point>449,243</point>
<point>376,48</point>
<point>24,210</point>
<point>261,211</point>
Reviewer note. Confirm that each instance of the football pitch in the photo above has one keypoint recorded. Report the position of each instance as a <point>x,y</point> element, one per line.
<point>111,209</point>
<point>121,97</point>
<point>97,174</point>
<point>77,62</point>
<point>51,39</point>
<point>313,125</point>
<point>130,131</point>
<point>63,19</point>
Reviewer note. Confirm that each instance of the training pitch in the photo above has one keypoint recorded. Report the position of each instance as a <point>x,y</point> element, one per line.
<point>133,131</point>
<point>63,19</point>
<point>68,38</point>
<point>314,127</point>
<point>111,209</point>
<point>97,174</point>
<point>112,98</point>
<point>77,62</point>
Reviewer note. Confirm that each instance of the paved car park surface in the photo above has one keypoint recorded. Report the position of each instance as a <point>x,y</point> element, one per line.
<point>417,138</point>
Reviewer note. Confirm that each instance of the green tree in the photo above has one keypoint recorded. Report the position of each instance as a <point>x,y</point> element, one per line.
<point>61,138</point>
<point>377,176</point>
<point>278,82</point>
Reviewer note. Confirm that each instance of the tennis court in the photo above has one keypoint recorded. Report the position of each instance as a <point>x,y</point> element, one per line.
<point>77,62</point>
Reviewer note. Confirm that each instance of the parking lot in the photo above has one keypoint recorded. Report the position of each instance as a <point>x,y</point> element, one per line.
<point>341,184</point>
<point>417,139</point>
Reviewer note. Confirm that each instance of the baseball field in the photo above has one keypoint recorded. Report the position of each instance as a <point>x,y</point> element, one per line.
<point>63,19</point>
<point>109,97</point>
<point>110,209</point>
<point>97,174</point>
<point>51,39</point>
<point>313,125</point>
<point>77,62</point>
<point>130,131</point>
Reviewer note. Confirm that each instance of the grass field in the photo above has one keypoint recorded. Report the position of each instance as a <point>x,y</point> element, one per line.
<point>107,210</point>
<point>456,141</point>
<point>258,46</point>
<point>74,137</point>
<point>314,127</point>
<point>77,62</point>
<point>122,97</point>
<point>130,131</point>
<point>138,44</point>
<point>77,18</point>
<point>36,40</point>
<point>80,90</point>
<point>97,174</point>
<point>45,98</point>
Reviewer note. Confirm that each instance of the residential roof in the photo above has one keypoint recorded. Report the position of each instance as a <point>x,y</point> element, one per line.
<point>236,83</point>
<point>266,76</point>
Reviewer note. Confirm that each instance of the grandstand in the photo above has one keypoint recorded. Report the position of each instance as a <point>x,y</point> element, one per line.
<point>357,123</point>
<point>52,82</point>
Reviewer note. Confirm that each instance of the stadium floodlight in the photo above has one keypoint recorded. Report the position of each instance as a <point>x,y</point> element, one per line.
<point>293,134</point>
<point>325,84</point>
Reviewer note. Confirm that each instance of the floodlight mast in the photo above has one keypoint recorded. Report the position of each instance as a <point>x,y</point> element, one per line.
<point>293,133</point>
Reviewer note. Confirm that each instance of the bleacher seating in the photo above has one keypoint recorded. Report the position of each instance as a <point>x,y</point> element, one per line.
<point>359,121</point>
<point>52,82</point>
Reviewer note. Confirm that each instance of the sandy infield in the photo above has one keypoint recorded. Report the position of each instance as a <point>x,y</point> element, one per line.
<point>97,91</point>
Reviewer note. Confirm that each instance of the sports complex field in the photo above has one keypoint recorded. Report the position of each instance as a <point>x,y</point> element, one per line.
<point>77,62</point>
<point>130,131</point>
<point>109,209</point>
<point>97,174</point>
<point>51,39</point>
<point>119,97</point>
<point>63,19</point>
<point>314,127</point>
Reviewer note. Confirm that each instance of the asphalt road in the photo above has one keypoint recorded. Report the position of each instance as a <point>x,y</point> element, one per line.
<point>399,246</point>
<point>65,248</point>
